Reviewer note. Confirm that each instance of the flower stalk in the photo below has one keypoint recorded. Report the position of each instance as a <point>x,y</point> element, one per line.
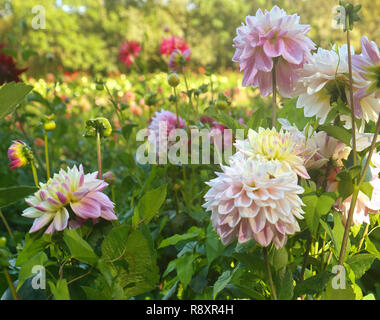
<point>11,285</point>
<point>274,95</point>
<point>99,153</point>
<point>47,157</point>
<point>267,266</point>
<point>34,172</point>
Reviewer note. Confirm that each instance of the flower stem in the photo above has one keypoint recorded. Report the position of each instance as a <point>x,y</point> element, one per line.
<point>34,171</point>
<point>272,287</point>
<point>363,237</point>
<point>47,157</point>
<point>99,152</point>
<point>188,90</point>
<point>176,105</point>
<point>11,285</point>
<point>274,95</point>
<point>353,125</point>
<point>306,256</point>
<point>6,224</point>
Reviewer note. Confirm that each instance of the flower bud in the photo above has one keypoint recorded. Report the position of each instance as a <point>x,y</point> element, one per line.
<point>173,79</point>
<point>3,242</point>
<point>49,125</point>
<point>19,155</point>
<point>109,177</point>
<point>101,125</point>
<point>221,104</point>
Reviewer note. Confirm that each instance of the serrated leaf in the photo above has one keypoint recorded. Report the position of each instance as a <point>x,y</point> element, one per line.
<point>360,263</point>
<point>221,283</point>
<point>312,285</point>
<point>79,248</point>
<point>60,290</point>
<point>185,268</point>
<point>192,233</point>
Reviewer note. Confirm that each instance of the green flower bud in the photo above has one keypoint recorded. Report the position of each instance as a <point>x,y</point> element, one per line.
<point>109,177</point>
<point>3,242</point>
<point>50,125</point>
<point>221,104</point>
<point>101,125</point>
<point>173,80</point>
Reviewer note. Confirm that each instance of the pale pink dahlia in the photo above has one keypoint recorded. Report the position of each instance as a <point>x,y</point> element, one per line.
<point>255,199</point>
<point>269,35</point>
<point>68,195</point>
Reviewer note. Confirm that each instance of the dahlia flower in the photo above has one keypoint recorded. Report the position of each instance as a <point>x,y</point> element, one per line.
<point>19,154</point>
<point>178,59</point>
<point>169,44</point>
<point>162,124</point>
<point>269,35</point>
<point>129,50</point>
<point>68,195</point>
<point>324,78</point>
<point>8,69</point>
<point>268,144</point>
<point>217,130</point>
<point>254,199</point>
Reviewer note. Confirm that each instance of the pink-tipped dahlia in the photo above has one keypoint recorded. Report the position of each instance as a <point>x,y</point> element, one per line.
<point>282,146</point>
<point>19,154</point>
<point>128,51</point>
<point>169,44</point>
<point>68,195</point>
<point>162,124</point>
<point>266,36</point>
<point>178,60</point>
<point>255,199</point>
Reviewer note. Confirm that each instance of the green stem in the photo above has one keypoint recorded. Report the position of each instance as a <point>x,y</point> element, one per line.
<point>11,285</point>
<point>99,152</point>
<point>34,171</point>
<point>351,98</point>
<point>47,157</point>
<point>272,287</point>
<point>363,237</point>
<point>188,90</point>
<point>306,256</point>
<point>6,224</point>
<point>176,105</point>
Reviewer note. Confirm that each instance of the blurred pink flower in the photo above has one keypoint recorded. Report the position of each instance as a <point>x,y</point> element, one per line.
<point>178,59</point>
<point>269,35</point>
<point>18,154</point>
<point>169,44</point>
<point>254,199</point>
<point>128,51</point>
<point>69,190</point>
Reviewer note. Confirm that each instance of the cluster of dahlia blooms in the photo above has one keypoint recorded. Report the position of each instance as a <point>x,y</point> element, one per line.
<point>8,69</point>
<point>67,200</point>
<point>128,51</point>
<point>272,39</point>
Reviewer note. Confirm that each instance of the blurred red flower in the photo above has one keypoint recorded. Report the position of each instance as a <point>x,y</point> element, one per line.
<point>129,50</point>
<point>169,44</point>
<point>8,69</point>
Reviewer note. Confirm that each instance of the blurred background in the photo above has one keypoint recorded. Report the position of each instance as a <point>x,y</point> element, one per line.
<point>86,35</point>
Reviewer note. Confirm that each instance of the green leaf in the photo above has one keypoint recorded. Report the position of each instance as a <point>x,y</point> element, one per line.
<point>60,291</point>
<point>284,284</point>
<point>339,133</point>
<point>279,258</point>
<point>79,248</point>
<point>340,294</point>
<point>95,294</point>
<point>136,270</point>
<point>149,205</point>
<point>32,247</point>
<point>191,233</point>
<point>11,195</point>
<point>371,248</point>
<point>221,283</point>
<point>345,185</point>
<point>367,189</point>
<point>185,268</point>
<point>11,94</point>
<point>313,284</point>
<point>338,232</point>
<point>26,270</point>
<point>311,217</point>
<point>114,244</point>
<point>360,263</point>
<point>214,246</point>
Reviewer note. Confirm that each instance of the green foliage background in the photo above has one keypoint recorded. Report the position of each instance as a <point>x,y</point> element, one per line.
<point>89,39</point>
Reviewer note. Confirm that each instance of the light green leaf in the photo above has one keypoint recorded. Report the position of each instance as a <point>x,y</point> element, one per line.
<point>191,233</point>
<point>360,263</point>
<point>185,268</point>
<point>222,281</point>
<point>79,248</point>
<point>11,94</point>
<point>26,270</point>
<point>60,291</point>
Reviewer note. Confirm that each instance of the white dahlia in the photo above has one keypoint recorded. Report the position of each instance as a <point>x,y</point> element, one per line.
<point>269,144</point>
<point>255,199</point>
<point>324,78</point>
